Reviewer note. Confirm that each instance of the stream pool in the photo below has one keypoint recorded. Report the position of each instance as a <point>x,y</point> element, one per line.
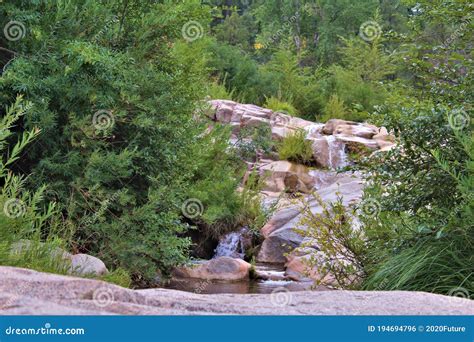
<point>277,281</point>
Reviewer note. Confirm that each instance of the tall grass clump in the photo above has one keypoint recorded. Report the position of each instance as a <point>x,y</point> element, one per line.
<point>296,148</point>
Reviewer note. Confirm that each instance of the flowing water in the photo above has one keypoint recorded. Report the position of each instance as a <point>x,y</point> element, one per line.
<point>336,149</point>
<point>337,152</point>
<point>232,245</point>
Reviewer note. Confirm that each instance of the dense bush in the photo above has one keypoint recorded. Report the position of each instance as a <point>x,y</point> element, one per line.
<point>119,129</point>
<point>422,235</point>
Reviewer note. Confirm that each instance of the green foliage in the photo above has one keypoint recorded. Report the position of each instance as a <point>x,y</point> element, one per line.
<point>237,30</point>
<point>239,73</point>
<point>216,176</point>
<point>119,277</point>
<point>116,102</point>
<point>341,248</point>
<point>253,215</point>
<point>423,237</point>
<point>253,142</point>
<point>218,91</point>
<point>334,109</point>
<point>23,217</point>
<point>277,105</point>
<point>296,84</point>
<point>116,90</point>
<point>296,148</point>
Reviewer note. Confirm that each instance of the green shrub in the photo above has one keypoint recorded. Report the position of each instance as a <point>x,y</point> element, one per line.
<point>341,252</point>
<point>119,127</point>
<point>217,90</point>
<point>334,109</point>
<point>214,182</point>
<point>296,148</point>
<point>119,277</point>
<point>420,236</point>
<point>278,105</point>
<point>252,213</point>
<point>253,142</point>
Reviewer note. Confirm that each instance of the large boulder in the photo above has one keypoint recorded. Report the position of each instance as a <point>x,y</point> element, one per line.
<point>286,176</point>
<point>350,128</point>
<point>332,124</point>
<point>84,264</point>
<point>222,268</point>
<point>280,132</point>
<point>356,143</point>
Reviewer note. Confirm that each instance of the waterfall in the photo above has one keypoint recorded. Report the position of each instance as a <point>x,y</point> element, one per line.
<point>335,149</point>
<point>314,130</point>
<point>336,152</point>
<point>232,245</point>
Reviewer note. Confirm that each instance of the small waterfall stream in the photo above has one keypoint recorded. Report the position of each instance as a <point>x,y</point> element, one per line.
<point>336,149</point>
<point>232,245</point>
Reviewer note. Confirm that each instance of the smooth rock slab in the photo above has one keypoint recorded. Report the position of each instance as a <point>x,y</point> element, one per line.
<point>26,292</point>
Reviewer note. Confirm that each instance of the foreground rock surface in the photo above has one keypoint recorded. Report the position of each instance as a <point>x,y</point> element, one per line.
<point>27,292</point>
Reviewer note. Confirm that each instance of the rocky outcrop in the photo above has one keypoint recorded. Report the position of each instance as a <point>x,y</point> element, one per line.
<point>334,143</point>
<point>329,140</point>
<point>283,176</point>
<point>279,232</point>
<point>27,292</point>
<point>328,152</point>
<point>222,268</point>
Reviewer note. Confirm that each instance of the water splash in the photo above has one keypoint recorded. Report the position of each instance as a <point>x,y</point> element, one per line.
<point>232,245</point>
<point>314,130</point>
